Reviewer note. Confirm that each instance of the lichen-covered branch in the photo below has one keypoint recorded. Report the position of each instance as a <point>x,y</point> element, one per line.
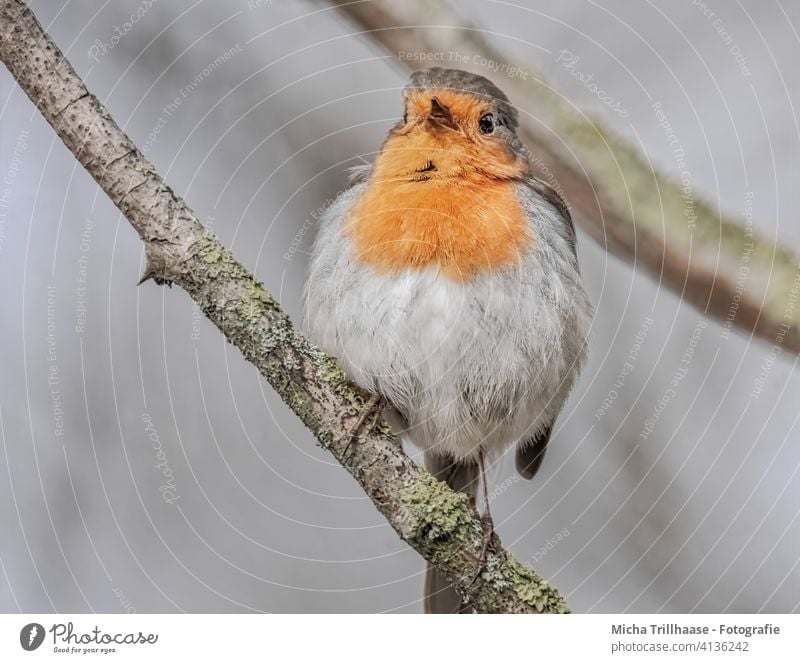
<point>440,524</point>
<point>712,261</point>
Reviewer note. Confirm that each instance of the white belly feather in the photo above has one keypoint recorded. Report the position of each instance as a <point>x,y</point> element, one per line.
<point>483,363</point>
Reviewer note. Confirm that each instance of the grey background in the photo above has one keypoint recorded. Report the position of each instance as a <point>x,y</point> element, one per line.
<point>700,516</point>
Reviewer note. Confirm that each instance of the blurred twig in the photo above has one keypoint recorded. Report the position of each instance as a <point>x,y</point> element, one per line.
<point>712,261</point>
<point>439,523</point>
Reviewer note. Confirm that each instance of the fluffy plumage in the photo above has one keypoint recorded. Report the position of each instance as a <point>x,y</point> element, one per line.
<point>487,361</point>
<point>445,278</point>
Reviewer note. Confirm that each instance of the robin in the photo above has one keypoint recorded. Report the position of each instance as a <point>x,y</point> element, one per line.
<point>445,279</point>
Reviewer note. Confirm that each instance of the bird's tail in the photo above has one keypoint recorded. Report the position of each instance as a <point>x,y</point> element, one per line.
<point>440,595</point>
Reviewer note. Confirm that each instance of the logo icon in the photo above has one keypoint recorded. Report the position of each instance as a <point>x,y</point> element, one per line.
<point>31,636</point>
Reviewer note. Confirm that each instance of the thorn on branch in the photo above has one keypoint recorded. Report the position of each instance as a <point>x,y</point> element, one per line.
<point>155,269</point>
<point>150,274</point>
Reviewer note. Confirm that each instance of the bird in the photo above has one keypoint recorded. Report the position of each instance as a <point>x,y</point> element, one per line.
<point>445,280</point>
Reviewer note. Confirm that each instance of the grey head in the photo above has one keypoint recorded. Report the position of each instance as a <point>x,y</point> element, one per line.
<point>506,122</point>
<point>459,80</point>
<point>506,118</point>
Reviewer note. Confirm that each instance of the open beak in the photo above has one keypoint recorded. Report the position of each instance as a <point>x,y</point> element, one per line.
<point>440,116</point>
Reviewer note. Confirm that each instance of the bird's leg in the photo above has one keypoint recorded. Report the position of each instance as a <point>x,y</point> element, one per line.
<point>487,524</point>
<point>373,406</point>
<point>487,515</point>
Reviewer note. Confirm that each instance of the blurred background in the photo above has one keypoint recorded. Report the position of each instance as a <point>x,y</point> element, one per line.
<point>147,467</point>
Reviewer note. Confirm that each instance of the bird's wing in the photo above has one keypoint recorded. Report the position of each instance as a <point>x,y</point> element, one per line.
<point>531,453</point>
<point>553,197</point>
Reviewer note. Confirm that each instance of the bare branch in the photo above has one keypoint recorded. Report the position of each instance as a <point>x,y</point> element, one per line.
<point>439,523</point>
<point>638,213</point>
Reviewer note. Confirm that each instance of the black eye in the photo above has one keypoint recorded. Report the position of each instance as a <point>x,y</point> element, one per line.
<point>486,123</point>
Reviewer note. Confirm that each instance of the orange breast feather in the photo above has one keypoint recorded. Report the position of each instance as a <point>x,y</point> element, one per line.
<point>463,225</point>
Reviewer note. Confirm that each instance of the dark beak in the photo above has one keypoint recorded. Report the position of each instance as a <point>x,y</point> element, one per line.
<point>440,115</point>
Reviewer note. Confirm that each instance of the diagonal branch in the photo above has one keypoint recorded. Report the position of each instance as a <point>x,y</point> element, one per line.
<point>437,522</point>
<point>717,264</point>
